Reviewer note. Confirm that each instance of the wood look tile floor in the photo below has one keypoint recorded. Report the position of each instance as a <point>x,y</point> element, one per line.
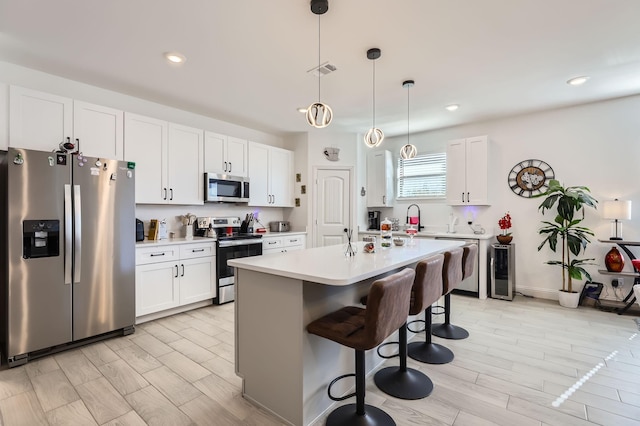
<point>526,362</point>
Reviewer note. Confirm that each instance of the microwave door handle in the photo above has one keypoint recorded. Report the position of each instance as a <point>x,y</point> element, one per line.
<point>77,218</point>
<point>68,242</point>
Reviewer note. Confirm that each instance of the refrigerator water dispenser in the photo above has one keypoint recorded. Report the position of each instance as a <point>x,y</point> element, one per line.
<point>40,238</point>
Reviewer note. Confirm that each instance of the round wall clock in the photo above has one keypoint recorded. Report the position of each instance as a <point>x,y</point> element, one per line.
<point>530,177</point>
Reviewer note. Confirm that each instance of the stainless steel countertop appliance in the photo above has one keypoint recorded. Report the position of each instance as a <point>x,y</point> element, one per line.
<point>231,244</point>
<point>67,251</point>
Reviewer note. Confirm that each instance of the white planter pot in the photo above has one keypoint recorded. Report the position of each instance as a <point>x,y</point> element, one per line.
<point>568,300</point>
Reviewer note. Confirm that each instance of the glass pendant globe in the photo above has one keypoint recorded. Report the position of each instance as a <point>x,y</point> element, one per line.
<point>319,115</point>
<point>408,151</point>
<point>373,137</point>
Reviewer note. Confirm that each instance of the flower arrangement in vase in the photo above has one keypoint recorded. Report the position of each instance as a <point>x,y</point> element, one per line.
<point>505,224</point>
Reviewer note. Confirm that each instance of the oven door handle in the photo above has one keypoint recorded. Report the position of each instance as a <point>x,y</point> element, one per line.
<point>232,243</point>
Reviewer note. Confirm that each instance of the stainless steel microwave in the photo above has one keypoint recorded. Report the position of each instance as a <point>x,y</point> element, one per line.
<point>225,188</point>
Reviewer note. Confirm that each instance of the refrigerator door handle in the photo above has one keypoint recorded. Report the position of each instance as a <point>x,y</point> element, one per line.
<point>68,243</point>
<point>77,218</point>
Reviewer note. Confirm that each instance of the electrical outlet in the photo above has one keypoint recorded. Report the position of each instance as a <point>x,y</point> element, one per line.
<point>617,282</point>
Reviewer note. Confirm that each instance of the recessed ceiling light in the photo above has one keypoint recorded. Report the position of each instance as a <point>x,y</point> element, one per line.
<point>452,107</point>
<point>302,110</point>
<point>175,57</point>
<point>577,81</point>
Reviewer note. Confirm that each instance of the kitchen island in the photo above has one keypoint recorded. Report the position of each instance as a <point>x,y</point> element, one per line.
<point>285,369</point>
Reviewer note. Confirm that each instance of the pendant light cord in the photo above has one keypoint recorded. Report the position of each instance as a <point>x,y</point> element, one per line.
<point>318,70</point>
<point>374,94</point>
<point>408,90</point>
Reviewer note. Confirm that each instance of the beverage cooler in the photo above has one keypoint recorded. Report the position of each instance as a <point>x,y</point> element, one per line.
<point>503,271</point>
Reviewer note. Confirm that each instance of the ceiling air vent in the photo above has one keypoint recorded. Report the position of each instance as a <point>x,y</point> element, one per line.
<point>322,70</point>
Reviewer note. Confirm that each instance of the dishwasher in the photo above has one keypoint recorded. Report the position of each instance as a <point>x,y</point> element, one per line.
<point>470,284</point>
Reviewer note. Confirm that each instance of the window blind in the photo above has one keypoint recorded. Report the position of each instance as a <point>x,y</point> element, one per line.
<point>424,176</point>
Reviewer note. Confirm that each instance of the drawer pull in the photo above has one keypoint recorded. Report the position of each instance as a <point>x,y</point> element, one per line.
<point>272,242</point>
<point>157,254</point>
<point>197,250</point>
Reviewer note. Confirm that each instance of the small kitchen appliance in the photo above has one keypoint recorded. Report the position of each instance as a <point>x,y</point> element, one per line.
<point>279,226</point>
<point>139,230</point>
<point>374,220</point>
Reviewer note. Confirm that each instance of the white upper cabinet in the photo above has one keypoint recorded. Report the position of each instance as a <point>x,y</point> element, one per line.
<point>168,160</point>
<point>98,130</point>
<point>270,176</point>
<point>468,171</point>
<point>225,154</point>
<point>41,121</point>
<point>379,179</point>
<point>184,165</point>
<point>146,144</point>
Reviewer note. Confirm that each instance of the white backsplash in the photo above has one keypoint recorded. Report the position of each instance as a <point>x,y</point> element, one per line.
<point>172,214</point>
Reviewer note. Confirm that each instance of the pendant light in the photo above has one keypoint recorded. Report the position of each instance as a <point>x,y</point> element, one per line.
<point>408,151</point>
<point>374,136</point>
<point>319,115</point>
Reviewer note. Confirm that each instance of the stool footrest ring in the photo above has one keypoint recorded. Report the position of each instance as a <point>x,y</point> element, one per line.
<point>440,310</point>
<point>416,331</point>
<point>387,356</point>
<point>340,398</point>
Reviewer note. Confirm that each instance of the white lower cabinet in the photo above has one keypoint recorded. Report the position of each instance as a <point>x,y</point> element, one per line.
<point>175,275</point>
<point>283,244</point>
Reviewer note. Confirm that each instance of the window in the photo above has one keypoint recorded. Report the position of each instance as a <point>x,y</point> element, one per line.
<point>424,176</point>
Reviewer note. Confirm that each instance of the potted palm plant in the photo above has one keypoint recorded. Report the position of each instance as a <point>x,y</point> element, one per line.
<point>566,233</point>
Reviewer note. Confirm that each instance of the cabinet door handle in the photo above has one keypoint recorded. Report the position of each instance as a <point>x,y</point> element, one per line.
<point>225,166</point>
<point>176,276</point>
<point>182,270</point>
<point>384,199</point>
<point>165,193</point>
<point>230,166</point>
<point>157,254</point>
<point>467,197</point>
<point>462,197</point>
<point>171,191</point>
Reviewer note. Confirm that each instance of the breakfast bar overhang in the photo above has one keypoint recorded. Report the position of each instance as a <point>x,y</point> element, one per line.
<point>284,369</point>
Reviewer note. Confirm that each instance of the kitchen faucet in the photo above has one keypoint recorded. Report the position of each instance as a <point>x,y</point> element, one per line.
<point>419,220</point>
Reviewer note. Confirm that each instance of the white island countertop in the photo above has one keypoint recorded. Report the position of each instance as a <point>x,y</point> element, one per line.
<point>435,234</point>
<point>329,265</point>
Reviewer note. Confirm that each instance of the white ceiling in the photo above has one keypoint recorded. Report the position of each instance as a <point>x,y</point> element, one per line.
<point>248,59</point>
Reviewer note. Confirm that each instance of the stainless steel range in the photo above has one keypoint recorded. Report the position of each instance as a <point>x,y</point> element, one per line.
<point>231,244</point>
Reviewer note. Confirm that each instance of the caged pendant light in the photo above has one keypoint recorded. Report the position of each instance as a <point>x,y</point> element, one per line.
<point>374,136</point>
<point>319,115</point>
<point>408,151</point>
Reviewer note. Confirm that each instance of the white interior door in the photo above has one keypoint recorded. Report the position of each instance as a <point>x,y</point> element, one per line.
<point>333,206</point>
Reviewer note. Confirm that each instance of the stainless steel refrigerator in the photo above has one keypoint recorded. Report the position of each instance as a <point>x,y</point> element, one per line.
<point>67,235</point>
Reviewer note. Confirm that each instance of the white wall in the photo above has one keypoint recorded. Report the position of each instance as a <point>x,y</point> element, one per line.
<point>596,145</point>
<point>297,216</point>
<point>309,148</point>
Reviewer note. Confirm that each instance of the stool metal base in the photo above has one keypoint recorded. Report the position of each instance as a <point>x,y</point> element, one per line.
<point>409,384</point>
<point>449,331</point>
<point>347,416</point>
<point>430,353</point>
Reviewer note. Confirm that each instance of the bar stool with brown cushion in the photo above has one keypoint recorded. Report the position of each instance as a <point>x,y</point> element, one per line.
<point>452,274</point>
<point>364,329</point>
<point>427,289</point>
